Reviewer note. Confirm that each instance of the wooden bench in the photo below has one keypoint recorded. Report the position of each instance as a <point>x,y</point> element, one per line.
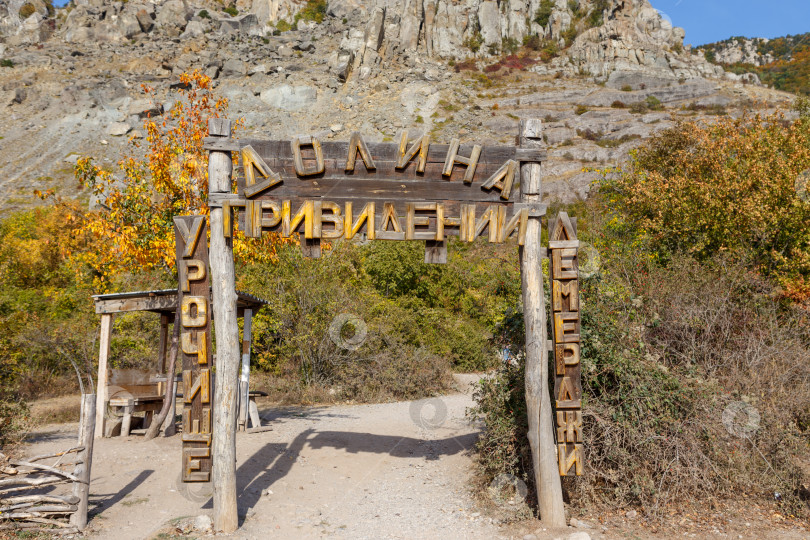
<point>132,391</point>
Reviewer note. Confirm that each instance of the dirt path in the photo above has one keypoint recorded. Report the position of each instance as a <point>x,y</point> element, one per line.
<point>387,471</point>
<point>398,470</point>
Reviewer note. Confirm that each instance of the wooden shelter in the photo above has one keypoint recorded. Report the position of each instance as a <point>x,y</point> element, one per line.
<point>144,389</point>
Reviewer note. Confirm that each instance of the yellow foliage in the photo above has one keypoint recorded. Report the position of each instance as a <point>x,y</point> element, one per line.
<point>134,230</point>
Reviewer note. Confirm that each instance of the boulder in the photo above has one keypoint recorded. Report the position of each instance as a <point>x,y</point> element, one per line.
<point>173,15</point>
<point>194,29</point>
<point>118,129</point>
<point>242,24</point>
<point>144,108</point>
<point>290,98</point>
<point>145,20</point>
<point>233,67</point>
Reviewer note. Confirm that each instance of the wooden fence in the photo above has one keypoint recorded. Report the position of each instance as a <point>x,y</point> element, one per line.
<point>48,493</point>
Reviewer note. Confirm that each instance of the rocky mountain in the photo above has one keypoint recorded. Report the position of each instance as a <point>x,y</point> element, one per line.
<point>604,74</point>
<point>783,62</point>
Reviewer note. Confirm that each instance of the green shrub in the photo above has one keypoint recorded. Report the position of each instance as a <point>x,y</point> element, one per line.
<point>203,14</point>
<point>595,16</point>
<point>282,26</point>
<point>27,10</point>
<point>543,13</point>
<point>314,10</point>
<point>654,104</point>
<point>581,109</point>
<point>474,42</point>
<point>509,45</point>
<point>231,10</point>
<point>532,42</point>
<point>6,62</point>
<point>723,188</point>
<point>627,88</point>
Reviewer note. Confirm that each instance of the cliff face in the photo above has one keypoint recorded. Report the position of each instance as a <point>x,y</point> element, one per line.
<point>599,37</point>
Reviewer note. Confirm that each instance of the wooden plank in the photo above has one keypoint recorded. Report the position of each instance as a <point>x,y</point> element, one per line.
<point>226,518</point>
<point>435,252</point>
<point>530,155</point>
<point>337,150</point>
<point>101,385</point>
<point>538,403</point>
<point>221,144</point>
<point>155,303</point>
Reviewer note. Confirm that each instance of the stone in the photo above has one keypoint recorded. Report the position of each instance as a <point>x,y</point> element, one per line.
<point>194,29</point>
<point>145,20</point>
<point>289,98</point>
<point>579,524</point>
<point>118,129</point>
<point>306,46</point>
<point>233,67</point>
<point>174,14</point>
<point>242,24</point>
<point>579,535</point>
<point>128,25</point>
<point>632,514</point>
<point>144,108</point>
<point>203,523</point>
<point>490,20</point>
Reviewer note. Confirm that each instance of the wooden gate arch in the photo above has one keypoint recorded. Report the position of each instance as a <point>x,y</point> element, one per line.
<point>405,190</point>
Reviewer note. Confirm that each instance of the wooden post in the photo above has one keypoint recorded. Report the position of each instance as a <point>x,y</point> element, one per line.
<point>538,400</point>
<point>244,388</point>
<point>101,385</point>
<point>164,334</point>
<point>220,167</point>
<point>81,490</point>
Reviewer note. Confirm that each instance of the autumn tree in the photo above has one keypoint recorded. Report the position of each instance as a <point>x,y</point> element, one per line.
<point>165,177</point>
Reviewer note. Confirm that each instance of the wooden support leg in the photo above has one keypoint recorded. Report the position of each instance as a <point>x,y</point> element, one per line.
<point>101,384</point>
<point>127,422</point>
<point>255,421</point>
<point>169,427</point>
<point>147,419</point>
<point>244,386</point>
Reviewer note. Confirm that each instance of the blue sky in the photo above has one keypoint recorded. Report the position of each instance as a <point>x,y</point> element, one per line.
<point>707,21</point>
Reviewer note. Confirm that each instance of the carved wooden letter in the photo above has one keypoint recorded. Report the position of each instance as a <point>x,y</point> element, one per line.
<point>199,317</point>
<point>191,467</point>
<point>357,144</point>
<point>517,223</point>
<point>563,263</point>
<point>190,234</point>
<point>252,162</point>
<point>568,396</point>
<point>305,214</point>
<point>275,209</point>
<point>201,385</point>
<point>421,146</point>
<point>503,179</point>
<point>569,426</point>
<point>186,274</point>
<point>412,220</point>
<point>568,289</point>
<point>390,216</point>
<point>306,140</point>
<point>334,217</point>
<point>566,327</point>
<point>195,342</point>
<point>566,354</point>
<point>568,460</point>
<point>453,158</point>
<point>352,227</point>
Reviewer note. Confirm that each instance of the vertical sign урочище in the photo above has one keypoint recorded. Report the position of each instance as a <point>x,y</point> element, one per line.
<point>194,293</point>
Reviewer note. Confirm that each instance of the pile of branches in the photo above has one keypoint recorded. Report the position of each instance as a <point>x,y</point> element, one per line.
<point>30,490</point>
